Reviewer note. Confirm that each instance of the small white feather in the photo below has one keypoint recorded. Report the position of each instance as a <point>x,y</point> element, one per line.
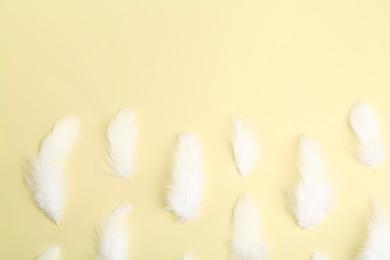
<point>121,135</point>
<point>187,256</point>
<point>187,179</point>
<point>318,256</point>
<point>377,244</point>
<point>364,123</point>
<point>112,237</point>
<point>51,253</point>
<point>246,242</point>
<point>45,177</point>
<point>244,146</point>
<point>311,198</point>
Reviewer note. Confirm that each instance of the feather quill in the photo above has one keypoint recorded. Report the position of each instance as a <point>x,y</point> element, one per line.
<point>244,147</point>
<point>187,179</point>
<point>318,256</point>
<point>311,198</point>
<point>51,253</point>
<point>246,243</point>
<point>364,123</point>
<point>121,135</point>
<point>112,238</point>
<point>377,244</point>
<point>45,176</point>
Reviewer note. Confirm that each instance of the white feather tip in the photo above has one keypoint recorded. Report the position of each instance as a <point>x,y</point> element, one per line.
<point>244,146</point>
<point>377,244</point>
<point>187,179</point>
<point>51,253</point>
<point>311,198</point>
<point>45,176</point>
<point>246,241</point>
<point>112,238</point>
<point>121,136</point>
<point>363,121</point>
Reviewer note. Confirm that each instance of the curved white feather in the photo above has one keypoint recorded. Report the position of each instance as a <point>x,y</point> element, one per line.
<point>246,243</point>
<point>311,198</point>
<point>377,244</point>
<point>121,135</point>
<point>244,146</point>
<point>51,253</point>
<point>112,238</point>
<point>45,178</point>
<point>187,179</point>
<point>318,256</point>
<point>364,123</point>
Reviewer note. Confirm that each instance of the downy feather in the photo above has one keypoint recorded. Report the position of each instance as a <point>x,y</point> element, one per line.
<point>318,256</point>
<point>244,146</point>
<point>246,242</point>
<point>51,253</point>
<point>121,135</point>
<point>187,179</point>
<point>377,244</point>
<point>311,198</point>
<point>45,176</point>
<point>364,123</point>
<point>112,237</point>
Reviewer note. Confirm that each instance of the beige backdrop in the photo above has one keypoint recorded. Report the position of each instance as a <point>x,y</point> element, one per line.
<point>288,67</point>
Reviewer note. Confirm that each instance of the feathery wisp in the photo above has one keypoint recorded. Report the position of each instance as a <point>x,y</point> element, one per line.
<point>311,198</point>
<point>51,253</point>
<point>244,146</point>
<point>45,176</point>
<point>187,179</point>
<point>112,238</point>
<point>364,123</point>
<point>246,243</point>
<point>318,256</point>
<point>121,136</point>
<point>187,256</point>
<point>377,244</point>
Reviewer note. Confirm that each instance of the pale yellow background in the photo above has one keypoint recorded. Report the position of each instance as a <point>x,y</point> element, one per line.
<point>286,66</point>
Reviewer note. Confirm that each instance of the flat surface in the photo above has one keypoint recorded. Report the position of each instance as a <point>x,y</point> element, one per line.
<point>287,67</point>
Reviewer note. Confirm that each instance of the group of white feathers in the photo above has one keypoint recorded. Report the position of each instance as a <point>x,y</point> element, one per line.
<point>309,200</point>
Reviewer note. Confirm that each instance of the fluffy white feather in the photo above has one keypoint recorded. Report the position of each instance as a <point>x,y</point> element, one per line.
<point>246,242</point>
<point>377,244</point>
<point>187,178</point>
<point>45,177</point>
<point>311,198</point>
<point>121,135</point>
<point>51,253</point>
<point>244,146</point>
<point>318,256</point>
<point>187,256</point>
<point>112,238</point>
<point>364,123</point>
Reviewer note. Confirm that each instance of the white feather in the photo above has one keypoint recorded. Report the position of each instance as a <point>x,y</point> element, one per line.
<point>187,256</point>
<point>246,242</point>
<point>365,126</point>
<point>311,198</point>
<point>244,146</point>
<point>377,244</point>
<point>112,238</point>
<point>187,179</point>
<point>121,135</point>
<point>45,178</point>
<point>318,256</point>
<point>51,253</point>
